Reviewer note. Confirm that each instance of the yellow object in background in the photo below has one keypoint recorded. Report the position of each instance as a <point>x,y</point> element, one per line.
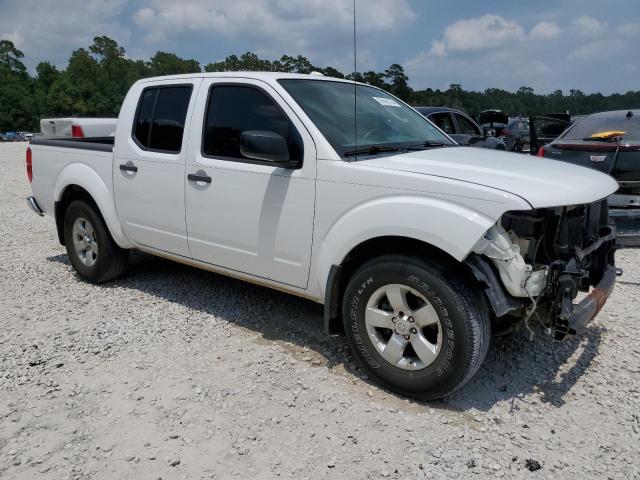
<point>607,135</point>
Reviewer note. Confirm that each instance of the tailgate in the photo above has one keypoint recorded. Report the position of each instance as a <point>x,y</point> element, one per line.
<point>58,127</point>
<point>627,167</point>
<point>592,154</point>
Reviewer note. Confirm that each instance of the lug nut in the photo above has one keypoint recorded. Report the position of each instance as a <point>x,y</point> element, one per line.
<point>393,319</point>
<point>411,319</point>
<point>413,330</point>
<point>406,337</point>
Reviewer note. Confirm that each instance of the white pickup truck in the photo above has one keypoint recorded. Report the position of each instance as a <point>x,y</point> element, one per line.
<point>419,249</point>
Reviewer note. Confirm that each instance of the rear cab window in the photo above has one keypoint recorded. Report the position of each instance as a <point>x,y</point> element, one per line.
<point>589,126</point>
<point>160,118</point>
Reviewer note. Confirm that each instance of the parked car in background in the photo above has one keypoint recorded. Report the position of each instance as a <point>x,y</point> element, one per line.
<point>413,247</point>
<point>544,129</point>
<point>4,138</point>
<point>493,119</point>
<point>26,135</point>
<point>78,127</point>
<point>608,142</point>
<point>516,136</point>
<point>461,127</point>
<point>10,137</point>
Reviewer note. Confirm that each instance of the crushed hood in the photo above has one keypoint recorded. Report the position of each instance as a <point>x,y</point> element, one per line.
<point>540,181</point>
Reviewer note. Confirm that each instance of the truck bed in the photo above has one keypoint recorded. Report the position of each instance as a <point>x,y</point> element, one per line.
<point>57,159</point>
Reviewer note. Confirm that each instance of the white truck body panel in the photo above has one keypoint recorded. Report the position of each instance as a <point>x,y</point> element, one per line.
<point>150,203</point>
<point>256,219</point>
<point>90,170</point>
<point>542,182</point>
<point>286,228</point>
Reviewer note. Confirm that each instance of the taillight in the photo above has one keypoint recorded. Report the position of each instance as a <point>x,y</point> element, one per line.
<point>540,152</point>
<point>29,165</point>
<point>505,132</point>
<point>76,131</point>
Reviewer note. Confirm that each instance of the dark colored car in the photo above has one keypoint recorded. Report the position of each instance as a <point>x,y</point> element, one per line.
<point>459,126</point>
<point>493,119</point>
<point>606,141</point>
<point>609,142</point>
<point>516,135</point>
<point>4,138</point>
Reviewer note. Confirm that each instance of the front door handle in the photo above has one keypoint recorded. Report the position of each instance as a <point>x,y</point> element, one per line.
<point>128,168</point>
<point>194,177</point>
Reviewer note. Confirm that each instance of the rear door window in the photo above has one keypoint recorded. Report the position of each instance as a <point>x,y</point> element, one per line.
<point>443,121</point>
<point>466,126</point>
<point>145,116</point>
<point>161,116</point>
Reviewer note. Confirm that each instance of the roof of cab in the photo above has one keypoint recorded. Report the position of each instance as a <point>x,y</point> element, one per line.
<point>265,76</point>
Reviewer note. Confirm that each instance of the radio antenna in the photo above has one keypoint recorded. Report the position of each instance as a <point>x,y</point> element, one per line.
<point>355,84</point>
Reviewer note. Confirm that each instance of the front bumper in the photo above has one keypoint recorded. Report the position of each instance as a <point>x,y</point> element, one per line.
<point>33,205</point>
<point>588,308</point>
<point>572,318</point>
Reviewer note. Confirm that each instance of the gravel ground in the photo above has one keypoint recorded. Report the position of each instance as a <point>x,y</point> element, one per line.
<point>174,372</point>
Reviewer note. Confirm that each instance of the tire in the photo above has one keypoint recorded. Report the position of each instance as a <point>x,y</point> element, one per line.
<point>447,316</point>
<point>84,229</point>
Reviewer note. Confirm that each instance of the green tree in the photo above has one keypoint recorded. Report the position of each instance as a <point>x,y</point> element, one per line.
<point>11,57</point>
<point>399,81</point>
<point>164,63</point>
<point>17,110</point>
<point>376,79</point>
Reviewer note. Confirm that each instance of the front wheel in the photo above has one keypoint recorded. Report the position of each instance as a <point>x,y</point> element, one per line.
<point>418,327</point>
<point>91,250</point>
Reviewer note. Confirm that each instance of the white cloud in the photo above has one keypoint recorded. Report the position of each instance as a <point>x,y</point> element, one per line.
<point>544,31</point>
<point>589,26</point>
<point>298,24</point>
<point>439,49</point>
<point>144,16</point>
<point>48,32</point>
<point>494,51</point>
<point>480,33</point>
<point>630,29</point>
<point>597,49</point>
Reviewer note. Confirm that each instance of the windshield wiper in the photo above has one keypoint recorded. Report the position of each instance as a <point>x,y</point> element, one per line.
<point>372,150</point>
<point>428,144</point>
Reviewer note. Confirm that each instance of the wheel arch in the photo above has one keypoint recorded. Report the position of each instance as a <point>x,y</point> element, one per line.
<point>80,182</point>
<point>339,274</point>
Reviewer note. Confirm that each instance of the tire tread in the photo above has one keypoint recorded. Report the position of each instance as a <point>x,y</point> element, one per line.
<point>470,301</point>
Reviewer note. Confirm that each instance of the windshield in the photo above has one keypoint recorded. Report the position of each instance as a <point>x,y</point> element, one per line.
<point>381,120</point>
<point>592,125</point>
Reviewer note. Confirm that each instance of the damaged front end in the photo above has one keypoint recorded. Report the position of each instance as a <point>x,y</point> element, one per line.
<point>534,263</point>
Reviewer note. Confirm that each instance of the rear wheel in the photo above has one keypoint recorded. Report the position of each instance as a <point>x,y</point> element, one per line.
<point>418,327</point>
<point>91,250</point>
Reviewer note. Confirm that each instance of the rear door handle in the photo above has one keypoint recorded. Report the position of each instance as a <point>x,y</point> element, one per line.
<point>128,168</point>
<point>194,177</point>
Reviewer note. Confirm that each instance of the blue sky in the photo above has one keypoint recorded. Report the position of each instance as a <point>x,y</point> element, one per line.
<point>585,44</point>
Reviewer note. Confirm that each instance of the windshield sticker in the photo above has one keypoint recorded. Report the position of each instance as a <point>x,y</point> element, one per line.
<point>387,102</point>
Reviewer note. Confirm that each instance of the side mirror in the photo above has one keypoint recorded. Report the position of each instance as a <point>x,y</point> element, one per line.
<point>489,132</point>
<point>263,145</point>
